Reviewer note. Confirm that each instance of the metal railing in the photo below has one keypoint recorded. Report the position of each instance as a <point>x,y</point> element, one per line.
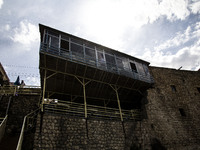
<point>2,126</point>
<point>91,61</point>
<point>63,107</point>
<point>29,122</point>
<point>15,90</point>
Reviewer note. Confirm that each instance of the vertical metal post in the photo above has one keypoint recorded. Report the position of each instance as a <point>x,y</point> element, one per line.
<point>118,101</point>
<point>84,94</point>
<point>96,55</point>
<point>85,103</point>
<point>84,54</point>
<point>43,94</point>
<point>15,90</point>
<point>116,64</point>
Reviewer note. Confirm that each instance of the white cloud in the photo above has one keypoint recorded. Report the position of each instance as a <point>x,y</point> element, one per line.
<point>32,81</point>
<point>5,28</point>
<point>190,33</point>
<point>108,20</point>
<point>174,9</point>
<point>26,33</point>
<point>195,7</point>
<point>187,57</point>
<point>1,3</point>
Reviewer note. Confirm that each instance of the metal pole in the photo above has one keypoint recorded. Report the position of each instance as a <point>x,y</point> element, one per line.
<point>85,103</point>
<point>118,101</point>
<point>15,90</point>
<point>44,86</point>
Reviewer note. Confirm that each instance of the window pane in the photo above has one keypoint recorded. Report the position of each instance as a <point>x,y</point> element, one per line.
<point>76,49</point>
<point>64,45</point>
<point>140,68</point>
<point>110,59</point>
<point>133,67</point>
<point>53,34</point>
<point>146,70</point>
<point>120,63</point>
<point>101,60</point>
<point>90,52</point>
<point>54,42</point>
<point>77,41</point>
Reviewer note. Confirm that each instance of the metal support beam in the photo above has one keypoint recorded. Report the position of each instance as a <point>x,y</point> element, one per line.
<point>51,75</point>
<point>85,103</point>
<point>90,79</point>
<point>44,86</point>
<point>115,88</point>
<point>84,94</point>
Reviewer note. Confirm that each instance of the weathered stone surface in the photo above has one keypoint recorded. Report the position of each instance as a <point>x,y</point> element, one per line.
<point>171,121</point>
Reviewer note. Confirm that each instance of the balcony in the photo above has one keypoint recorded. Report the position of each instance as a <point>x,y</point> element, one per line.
<point>95,56</point>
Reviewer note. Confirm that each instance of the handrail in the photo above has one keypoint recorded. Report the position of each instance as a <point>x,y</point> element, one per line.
<point>19,145</point>
<point>21,138</point>
<point>2,127</point>
<point>62,107</point>
<point>15,90</point>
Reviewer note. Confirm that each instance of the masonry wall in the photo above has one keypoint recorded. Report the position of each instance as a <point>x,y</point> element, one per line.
<point>171,121</point>
<point>165,125</point>
<point>63,132</point>
<point>20,106</point>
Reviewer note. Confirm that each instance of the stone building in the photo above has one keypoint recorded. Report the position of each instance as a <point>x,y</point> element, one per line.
<point>94,97</point>
<point>98,98</point>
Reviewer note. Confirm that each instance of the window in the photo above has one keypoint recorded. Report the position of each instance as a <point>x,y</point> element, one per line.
<point>110,61</point>
<point>198,88</point>
<point>90,52</point>
<point>52,39</point>
<point>173,88</point>
<point>76,49</point>
<point>133,67</point>
<point>146,70</point>
<point>64,48</point>
<point>120,64</point>
<point>182,112</point>
<point>64,45</point>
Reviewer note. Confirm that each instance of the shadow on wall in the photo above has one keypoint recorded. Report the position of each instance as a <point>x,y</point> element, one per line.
<point>144,102</point>
<point>134,147</point>
<point>156,145</point>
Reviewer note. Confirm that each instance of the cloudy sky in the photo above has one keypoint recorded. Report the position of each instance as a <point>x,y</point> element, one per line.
<point>164,32</point>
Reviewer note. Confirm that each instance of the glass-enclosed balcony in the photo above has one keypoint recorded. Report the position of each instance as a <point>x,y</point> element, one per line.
<point>81,51</point>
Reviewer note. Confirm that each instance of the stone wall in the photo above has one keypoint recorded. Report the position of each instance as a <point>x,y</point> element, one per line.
<point>63,132</point>
<point>172,108</point>
<point>171,121</point>
<point>20,106</point>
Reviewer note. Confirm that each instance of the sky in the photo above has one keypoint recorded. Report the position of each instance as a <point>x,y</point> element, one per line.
<point>165,33</point>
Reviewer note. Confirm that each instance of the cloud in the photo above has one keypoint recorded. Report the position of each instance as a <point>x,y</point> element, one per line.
<point>108,20</point>
<point>188,57</point>
<point>1,3</point>
<point>174,9</point>
<point>26,33</point>
<point>5,28</point>
<point>33,81</point>
<point>191,33</point>
<point>195,7</point>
